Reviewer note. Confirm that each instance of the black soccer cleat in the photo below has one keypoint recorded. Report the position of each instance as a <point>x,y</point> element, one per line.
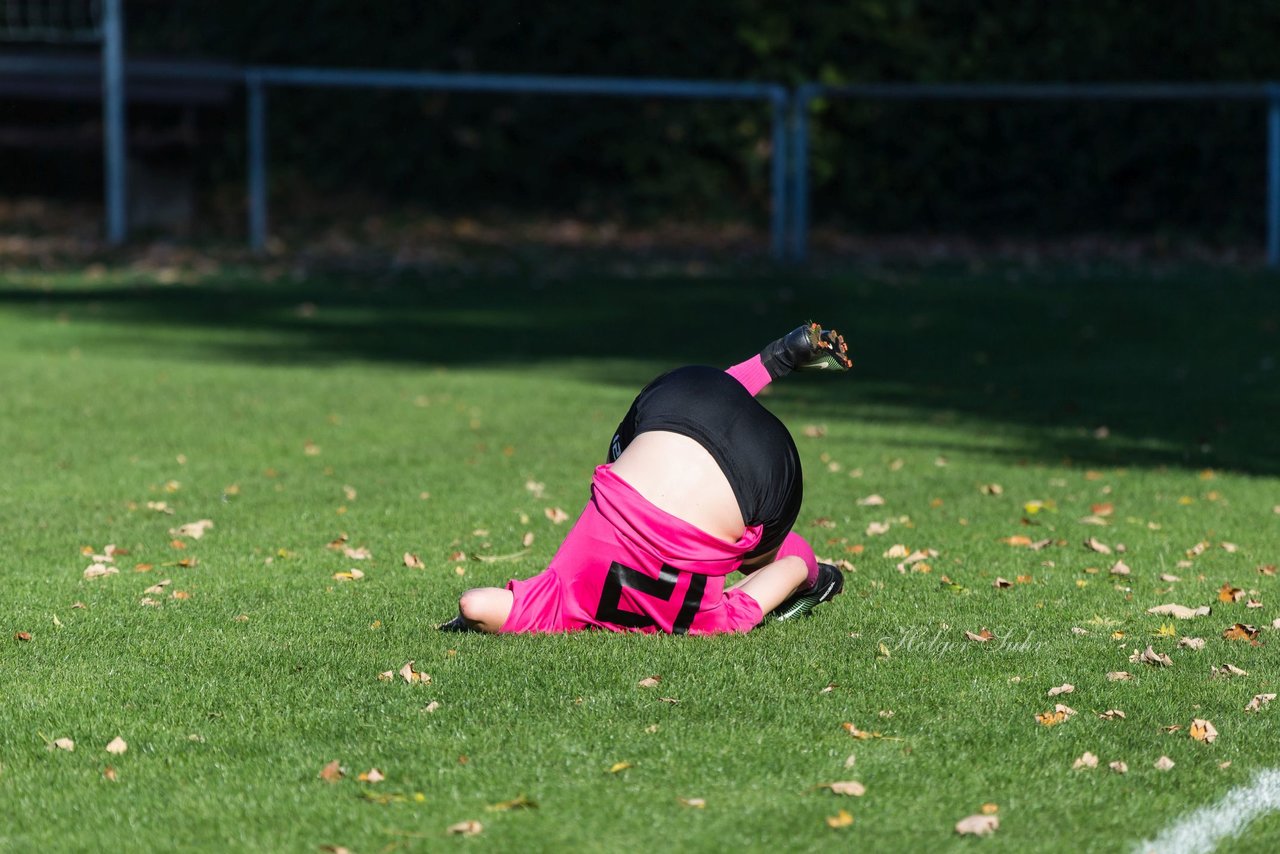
<point>806,348</point>
<point>828,585</point>
<point>457,624</point>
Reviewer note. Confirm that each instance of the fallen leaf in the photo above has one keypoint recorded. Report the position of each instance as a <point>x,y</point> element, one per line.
<point>62,744</point>
<point>22,636</point>
<point>1181,612</point>
<point>650,682</point>
<point>1164,763</point>
<point>431,707</point>
<point>846,787</point>
<point>1065,688</point>
<point>1094,520</point>
<point>978,825</point>
<point>897,550</point>
<point>361,553</point>
<point>1119,767</point>
<point>1253,603</point>
<point>332,772</point>
<point>1241,631</point>
<point>1150,656</point>
<point>840,819</point>
<point>465,828</point>
<point>527,539</point>
<point>871,501</point>
<point>110,773</point>
<point>1119,676</point>
<point>1169,578</point>
<point>1092,544</point>
<point>1191,643</point>
<point>1001,583</point>
<point>1016,540</point>
<point>519,802</point>
<point>413,561</point>
<point>1105,508</point>
<point>1227,670</point>
<point>1258,701</point>
<point>1230,594</point>
<point>1202,730</point>
<point>1111,715</point>
<point>373,775</point>
<point>992,489</point>
<point>981,637</point>
<point>696,803</point>
<point>1087,760</point>
<point>1197,549</point>
<point>537,489</point>
<point>1229,548</point>
<point>619,766</point>
<point>411,676</point>
<point>874,529</point>
<point>814,431</point>
<point>556,515</point>
<point>117,746</point>
<point>194,530</point>
<point>1119,568</point>
<point>98,570</point>
<point>349,575</point>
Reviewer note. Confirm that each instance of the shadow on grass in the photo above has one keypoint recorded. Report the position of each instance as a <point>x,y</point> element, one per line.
<point>1180,369</point>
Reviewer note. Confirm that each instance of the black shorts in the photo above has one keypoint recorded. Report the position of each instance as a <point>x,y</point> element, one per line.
<point>755,451</point>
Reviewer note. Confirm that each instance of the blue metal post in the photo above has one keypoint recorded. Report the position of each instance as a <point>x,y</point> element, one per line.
<point>257,136</point>
<point>1273,178</point>
<point>780,164</point>
<point>113,121</point>
<point>800,102</point>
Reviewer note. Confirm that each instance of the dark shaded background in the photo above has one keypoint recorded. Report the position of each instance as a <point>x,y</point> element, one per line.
<point>980,169</point>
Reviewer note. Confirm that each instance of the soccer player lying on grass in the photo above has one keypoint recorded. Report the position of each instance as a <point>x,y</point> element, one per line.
<point>701,480</point>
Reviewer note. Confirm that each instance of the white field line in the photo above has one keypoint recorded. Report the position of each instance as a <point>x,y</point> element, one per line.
<point>1201,831</point>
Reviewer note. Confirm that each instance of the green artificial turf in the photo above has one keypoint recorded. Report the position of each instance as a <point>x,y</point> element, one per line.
<point>444,415</point>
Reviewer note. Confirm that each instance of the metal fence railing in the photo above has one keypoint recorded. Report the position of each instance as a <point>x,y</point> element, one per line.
<point>804,96</point>
<point>790,110</point>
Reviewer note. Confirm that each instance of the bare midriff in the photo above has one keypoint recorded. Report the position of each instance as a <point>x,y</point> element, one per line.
<point>677,475</point>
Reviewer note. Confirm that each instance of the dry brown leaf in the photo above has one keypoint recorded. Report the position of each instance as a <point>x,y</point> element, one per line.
<point>1202,730</point>
<point>22,636</point>
<point>1150,656</point>
<point>871,501</point>
<point>411,676</point>
<point>1119,767</point>
<point>1052,717</point>
<point>373,775</point>
<point>535,488</point>
<point>1064,688</point>
<point>194,530</point>
<point>650,681</point>
<point>1197,549</point>
<point>1086,760</point>
<point>110,773</point>
<point>897,550</point>
<point>1241,631</point>
<point>1105,508</point>
<point>465,828</point>
<point>1016,540</point>
<point>846,787</point>
<point>875,529</point>
<point>696,803</point>
<point>117,746</point>
<point>619,766</point>
<point>431,707</point>
<point>413,561</point>
<point>62,744</point>
<point>361,553</point>
<point>1119,676</point>
<point>1169,578</point>
<point>98,570</point>
<point>992,489</point>
<point>1181,612</point>
<point>332,772</point>
<point>840,819</point>
<point>981,637</point>
<point>556,515</point>
<point>1230,594</point>
<point>1191,643</point>
<point>1229,548</point>
<point>349,575</point>
<point>1227,670</point>
<point>1164,763</point>
<point>978,825</point>
<point>1111,715</point>
<point>814,431</point>
<point>1093,544</point>
<point>1258,701</point>
<point>1001,583</point>
<point>527,539</point>
<point>1094,520</point>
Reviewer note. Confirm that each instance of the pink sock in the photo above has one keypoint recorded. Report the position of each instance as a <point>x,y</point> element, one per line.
<point>754,376</point>
<point>796,545</point>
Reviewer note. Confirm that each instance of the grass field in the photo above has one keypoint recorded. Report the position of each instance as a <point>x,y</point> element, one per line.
<point>413,414</point>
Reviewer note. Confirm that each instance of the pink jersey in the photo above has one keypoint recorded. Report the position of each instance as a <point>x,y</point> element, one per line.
<point>628,566</point>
